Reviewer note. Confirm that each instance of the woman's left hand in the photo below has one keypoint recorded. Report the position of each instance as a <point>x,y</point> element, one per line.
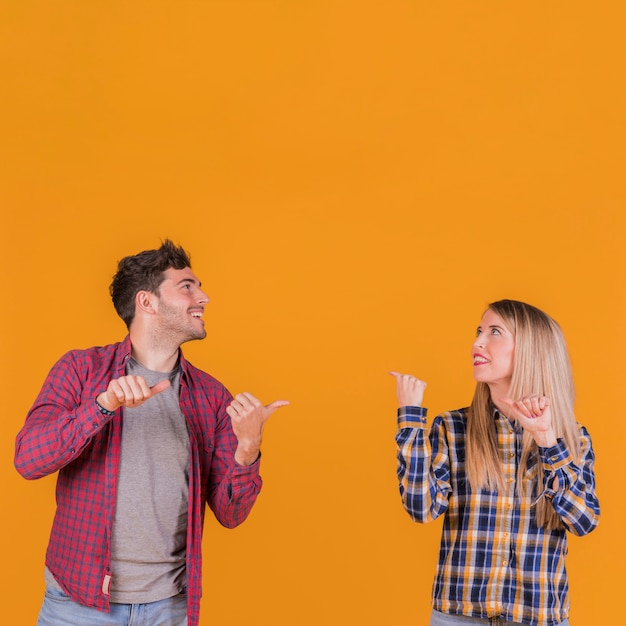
<point>534,415</point>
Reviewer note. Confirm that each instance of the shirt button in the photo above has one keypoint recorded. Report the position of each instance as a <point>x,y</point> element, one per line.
<point>505,562</point>
<point>511,455</point>
<point>509,507</point>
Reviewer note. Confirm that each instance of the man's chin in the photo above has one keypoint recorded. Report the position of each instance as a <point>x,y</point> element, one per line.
<point>195,336</point>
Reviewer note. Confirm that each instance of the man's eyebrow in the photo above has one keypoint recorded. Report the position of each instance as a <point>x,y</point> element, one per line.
<point>189,280</point>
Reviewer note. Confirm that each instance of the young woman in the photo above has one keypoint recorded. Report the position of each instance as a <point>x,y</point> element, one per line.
<point>512,474</point>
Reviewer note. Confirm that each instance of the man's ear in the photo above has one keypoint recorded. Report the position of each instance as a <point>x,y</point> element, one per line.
<point>145,301</point>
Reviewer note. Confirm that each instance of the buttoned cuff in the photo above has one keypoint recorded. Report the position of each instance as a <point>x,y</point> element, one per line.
<point>245,471</point>
<point>412,416</point>
<point>555,456</point>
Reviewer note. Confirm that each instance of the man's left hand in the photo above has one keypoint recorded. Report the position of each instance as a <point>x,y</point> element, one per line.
<point>248,416</point>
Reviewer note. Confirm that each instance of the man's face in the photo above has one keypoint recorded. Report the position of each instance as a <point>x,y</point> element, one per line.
<point>180,305</point>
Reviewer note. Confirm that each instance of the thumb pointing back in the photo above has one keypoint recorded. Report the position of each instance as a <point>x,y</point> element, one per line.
<point>276,405</point>
<point>159,387</point>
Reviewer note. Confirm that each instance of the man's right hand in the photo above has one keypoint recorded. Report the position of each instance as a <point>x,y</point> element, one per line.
<point>129,391</point>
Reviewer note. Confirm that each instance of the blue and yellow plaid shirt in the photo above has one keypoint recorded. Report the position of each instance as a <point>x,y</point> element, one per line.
<point>494,559</point>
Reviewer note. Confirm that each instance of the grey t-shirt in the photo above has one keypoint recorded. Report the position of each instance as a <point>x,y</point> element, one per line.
<point>148,546</point>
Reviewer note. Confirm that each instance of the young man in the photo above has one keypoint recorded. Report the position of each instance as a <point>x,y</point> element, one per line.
<point>141,440</point>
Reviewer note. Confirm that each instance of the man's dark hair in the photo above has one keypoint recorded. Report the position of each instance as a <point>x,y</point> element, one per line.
<point>144,272</point>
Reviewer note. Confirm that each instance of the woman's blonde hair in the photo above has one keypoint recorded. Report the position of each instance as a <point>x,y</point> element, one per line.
<point>541,366</point>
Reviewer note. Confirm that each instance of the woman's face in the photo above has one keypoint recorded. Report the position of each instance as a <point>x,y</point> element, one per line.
<point>492,352</point>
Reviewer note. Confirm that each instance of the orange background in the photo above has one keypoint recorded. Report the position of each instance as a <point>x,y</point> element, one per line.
<point>355,181</point>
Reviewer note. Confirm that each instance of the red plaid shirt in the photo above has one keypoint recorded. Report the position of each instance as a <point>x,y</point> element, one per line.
<point>66,431</point>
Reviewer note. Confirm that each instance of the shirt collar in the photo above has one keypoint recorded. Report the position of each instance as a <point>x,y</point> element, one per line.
<point>497,413</point>
<point>124,354</point>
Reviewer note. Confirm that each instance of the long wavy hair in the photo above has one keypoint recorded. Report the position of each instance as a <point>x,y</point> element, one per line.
<point>541,366</point>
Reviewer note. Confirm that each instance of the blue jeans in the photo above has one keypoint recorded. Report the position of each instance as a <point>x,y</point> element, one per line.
<point>59,610</point>
<point>443,619</point>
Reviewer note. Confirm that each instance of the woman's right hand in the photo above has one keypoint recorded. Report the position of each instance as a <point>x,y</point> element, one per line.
<point>409,390</point>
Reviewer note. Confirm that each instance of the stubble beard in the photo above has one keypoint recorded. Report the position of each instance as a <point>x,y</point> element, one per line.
<point>179,331</point>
